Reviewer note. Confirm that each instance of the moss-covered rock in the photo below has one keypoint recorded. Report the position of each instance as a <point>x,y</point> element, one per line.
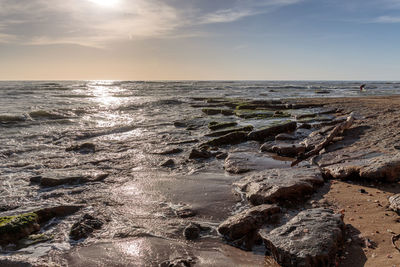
<point>33,239</point>
<point>15,227</point>
<point>220,125</point>
<point>250,114</point>
<point>247,128</point>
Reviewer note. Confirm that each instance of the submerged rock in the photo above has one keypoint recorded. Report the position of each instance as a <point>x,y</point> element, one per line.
<point>85,226</point>
<point>272,131</point>
<point>60,178</point>
<point>280,185</point>
<point>394,202</point>
<point>384,168</point>
<point>240,225</point>
<point>84,148</point>
<point>241,162</point>
<point>191,232</point>
<point>312,238</point>
<point>168,163</point>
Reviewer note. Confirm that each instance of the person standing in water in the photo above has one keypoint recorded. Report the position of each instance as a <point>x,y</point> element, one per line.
<point>362,87</point>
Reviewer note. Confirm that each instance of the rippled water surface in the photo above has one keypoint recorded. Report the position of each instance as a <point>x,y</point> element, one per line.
<point>129,122</point>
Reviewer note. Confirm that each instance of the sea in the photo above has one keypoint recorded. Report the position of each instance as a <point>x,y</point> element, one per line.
<point>130,123</point>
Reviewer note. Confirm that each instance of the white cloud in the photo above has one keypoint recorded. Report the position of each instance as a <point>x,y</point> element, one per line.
<point>387,19</point>
<point>84,22</point>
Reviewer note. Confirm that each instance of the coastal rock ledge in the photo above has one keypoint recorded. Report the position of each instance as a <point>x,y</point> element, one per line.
<point>312,238</point>
<point>240,225</point>
<point>280,185</point>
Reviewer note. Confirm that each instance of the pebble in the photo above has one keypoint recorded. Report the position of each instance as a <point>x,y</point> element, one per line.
<point>362,191</point>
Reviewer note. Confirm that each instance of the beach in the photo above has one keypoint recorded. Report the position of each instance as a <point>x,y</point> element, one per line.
<point>125,174</point>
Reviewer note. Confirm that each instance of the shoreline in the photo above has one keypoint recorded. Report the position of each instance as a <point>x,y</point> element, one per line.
<point>175,200</point>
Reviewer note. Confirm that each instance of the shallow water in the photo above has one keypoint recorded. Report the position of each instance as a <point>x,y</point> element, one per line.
<point>128,122</point>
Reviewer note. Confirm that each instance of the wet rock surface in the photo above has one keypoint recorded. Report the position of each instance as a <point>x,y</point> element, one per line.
<point>246,222</point>
<point>242,162</point>
<point>85,226</point>
<point>84,148</point>
<point>200,154</point>
<point>228,139</point>
<point>312,238</point>
<point>280,185</point>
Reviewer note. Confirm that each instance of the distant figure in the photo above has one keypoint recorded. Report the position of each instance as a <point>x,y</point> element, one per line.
<point>362,87</point>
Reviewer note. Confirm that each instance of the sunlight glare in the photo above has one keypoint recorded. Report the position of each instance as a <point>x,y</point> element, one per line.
<point>105,2</point>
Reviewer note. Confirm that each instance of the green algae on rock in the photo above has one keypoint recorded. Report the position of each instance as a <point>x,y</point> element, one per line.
<point>15,227</point>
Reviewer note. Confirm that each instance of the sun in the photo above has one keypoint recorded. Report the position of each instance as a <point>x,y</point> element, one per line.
<point>105,2</point>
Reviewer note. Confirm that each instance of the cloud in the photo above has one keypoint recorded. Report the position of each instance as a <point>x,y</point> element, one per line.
<point>387,19</point>
<point>83,22</point>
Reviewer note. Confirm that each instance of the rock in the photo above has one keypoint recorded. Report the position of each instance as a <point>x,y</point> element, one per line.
<point>283,149</point>
<point>221,155</point>
<point>394,202</point>
<point>385,168</point>
<point>200,154</point>
<point>175,150</point>
<point>262,134</point>
<point>215,111</point>
<point>241,162</point>
<point>185,212</point>
<point>60,178</point>
<point>312,238</point>
<point>228,139</point>
<point>304,126</point>
<point>316,137</point>
<point>46,213</point>
<point>216,126</point>
<point>168,163</point>
<point>191,232</point>
<point>249,114</point>
<point>84,148</point>
<point>178,262</point>
<point>85,226</point>
<point>279,185</point>
<point>180,124</point>
<point>16,227</point>
<point>285,136</point>
<point>230,130</point>
<point>33,239</point>
<point>240,225</point>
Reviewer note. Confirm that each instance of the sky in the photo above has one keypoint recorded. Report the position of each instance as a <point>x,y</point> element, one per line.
<point>200,39</point>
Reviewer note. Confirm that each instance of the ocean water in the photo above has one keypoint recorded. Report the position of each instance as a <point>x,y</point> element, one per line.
<point>128,122</point>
